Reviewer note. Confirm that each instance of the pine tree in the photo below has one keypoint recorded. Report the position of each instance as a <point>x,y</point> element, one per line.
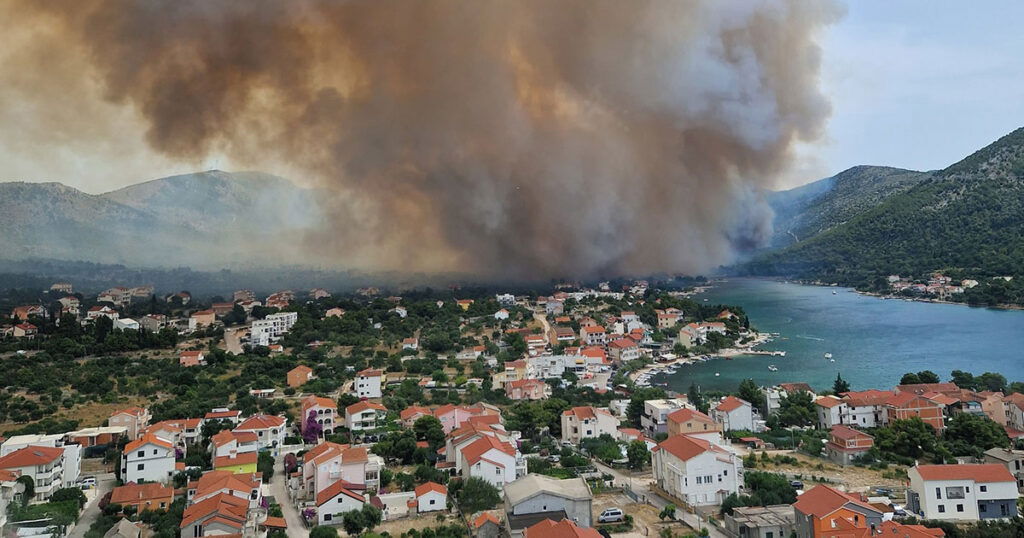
<point>840,385</point>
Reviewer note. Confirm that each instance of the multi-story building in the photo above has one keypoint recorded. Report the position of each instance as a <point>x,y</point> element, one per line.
<point>1012,459</point>
<point>44,464</point>
<point>967,492</point>
<point>827,512</point>
<point>694,423</point>
<point>368,383</point>
<point>269,432</point>
<point>654,420</point>
<point>496,461</point>
<point>364,416</point>
<point>270,329</point>
<point>593,335</point>
<point>148,459</point>
<point>323,411</point>
<point>581,423</point>
<point>846,444</point>
<point>329,462</point>
<point>70,464</point>
<point>734,414</point>
<point>151,496</point>
<point>696,471</point>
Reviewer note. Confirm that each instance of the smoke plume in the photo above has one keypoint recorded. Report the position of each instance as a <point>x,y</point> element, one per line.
<point>525,138</point>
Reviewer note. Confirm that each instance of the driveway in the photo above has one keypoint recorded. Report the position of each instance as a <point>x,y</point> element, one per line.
<point>641,485</point>
<point>104,484</point>
<point>279,490</point>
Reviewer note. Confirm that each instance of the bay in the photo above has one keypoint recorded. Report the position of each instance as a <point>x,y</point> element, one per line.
<point>873,341</point>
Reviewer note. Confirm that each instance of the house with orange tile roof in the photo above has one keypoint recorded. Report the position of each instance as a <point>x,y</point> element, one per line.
<point>623,350</point>
<point>221,514</point>
<point>526,389</point>
<point>513,371</point>
<point>148,459</point>
<point>322,410</point>
<point>899,530</point>
<point>929,407</point>
<point>431,497</point>
<point>43,463</point>
<point>148,496</point>
<point>201,319</point>
<point>830,411</point>
<point>334,501</point>
<point>411,414</point>
<point>182,431</point>
<point>496,461</point>
<point>587,422</point>
<point>734,414</point>
<point>454,416</point>
<point>223,413</point>
<point>368,383</point>
<point>226,443</point>
<point>692,422</point>
<point>25,330</point>
<point>654,419</point>
<point>594,335</point>
<point>964,492</point>
<point>245,487</point>
<point>487,525</point>
<point>412,343</point>
<point>269,430</point>
<point>364,416</point>
<point>562,529</point>
<point>826,511</point>
<point>697,471</point>
<point>866,408</point>
<point>191,358</point>
<point>845,444</point>
<point>300,375</point>
<point>329,462</point>
<point>22,313</point>
<point>134,419</point>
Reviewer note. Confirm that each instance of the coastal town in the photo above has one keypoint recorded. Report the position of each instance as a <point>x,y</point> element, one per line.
<point>469,411</point>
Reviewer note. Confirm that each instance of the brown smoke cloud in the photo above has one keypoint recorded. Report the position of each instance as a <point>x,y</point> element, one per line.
<point>525,138</point>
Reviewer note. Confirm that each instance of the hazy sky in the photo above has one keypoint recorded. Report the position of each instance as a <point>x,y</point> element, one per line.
<point>915,84</point>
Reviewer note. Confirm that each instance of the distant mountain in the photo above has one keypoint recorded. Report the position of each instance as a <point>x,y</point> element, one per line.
<point>203,220</point>
<point>808,210</point>
<point>969,216</point>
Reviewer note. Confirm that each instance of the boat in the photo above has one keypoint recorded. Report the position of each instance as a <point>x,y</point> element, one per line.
<point>828,355</point>
<point>831,360</point>
<point>717,374</point>
<point>833,292</point>
<point>772,368</point>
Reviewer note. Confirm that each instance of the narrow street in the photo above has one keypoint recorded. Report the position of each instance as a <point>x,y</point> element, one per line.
<point>279,490</point>
<point>641,486</point>
<point>104,484</point>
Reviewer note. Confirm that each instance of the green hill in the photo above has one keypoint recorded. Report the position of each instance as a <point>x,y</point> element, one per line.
<point>968,217</point>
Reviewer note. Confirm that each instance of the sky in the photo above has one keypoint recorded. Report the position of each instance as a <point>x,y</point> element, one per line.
<point>916,84</point>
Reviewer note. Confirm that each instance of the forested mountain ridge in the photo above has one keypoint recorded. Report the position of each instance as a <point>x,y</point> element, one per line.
<point>968,217</point>
<point>808,210</point>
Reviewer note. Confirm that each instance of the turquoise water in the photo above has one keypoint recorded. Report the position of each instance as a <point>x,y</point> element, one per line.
<point>873,341</point>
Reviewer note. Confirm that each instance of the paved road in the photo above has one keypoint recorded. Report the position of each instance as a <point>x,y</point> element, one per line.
<point>104,484</point>
<point>279,489</point>
<point>642,486</point>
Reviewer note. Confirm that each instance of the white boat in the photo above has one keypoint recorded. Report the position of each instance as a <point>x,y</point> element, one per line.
<point>833,292</point>
<point>717,374</point>
<point>831,360</point>
<point>772,368</point>
<point>828,355</point>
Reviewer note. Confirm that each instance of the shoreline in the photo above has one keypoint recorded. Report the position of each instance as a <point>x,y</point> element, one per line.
<point>722,354</point>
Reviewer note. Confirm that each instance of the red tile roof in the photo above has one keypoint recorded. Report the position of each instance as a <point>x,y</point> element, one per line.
<point>260,422</point>
<point>562,529</point>
<point>147,439</point>
<point>363,406</point>
<point>484,518</point>
<point>840,431</point>
<point>423,489</point>
<point>686,415</point>
<point>245,458</point>
<point>978,472</point>
<point>223,507</point>
<point>474,451</point>
<point>335,489</point>
<point>132,493</point>
<point>821,501</point>
<point>730,403</point>
<point>686,447</point>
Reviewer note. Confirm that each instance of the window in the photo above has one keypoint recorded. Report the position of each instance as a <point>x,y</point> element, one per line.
<point>154,451</point>
<point>938,493</point>
<point>142,453</point>
<point>1004,510</point>
<point>699,479</point>
<point>983,488</point>
<point>327,517</point>
<point>982,508</point>
<point>942,509</point>
<point>959,508</point>
<point>497,471</point>
<point>142,466</point>
<point>432,501</point>
<point>340,500</point>
<point>725,472</point>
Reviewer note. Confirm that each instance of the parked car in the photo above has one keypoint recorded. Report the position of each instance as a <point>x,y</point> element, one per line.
<point>554,458</point>
<point>883,491</point>
<point>797,484</point>
<point>611,515</point>
<point>87,482</point>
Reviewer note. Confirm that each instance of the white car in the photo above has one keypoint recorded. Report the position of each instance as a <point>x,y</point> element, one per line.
<point>87,482</point>
<point>611,515</point>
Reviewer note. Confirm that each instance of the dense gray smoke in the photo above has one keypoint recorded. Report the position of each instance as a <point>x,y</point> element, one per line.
<point>525,138</point>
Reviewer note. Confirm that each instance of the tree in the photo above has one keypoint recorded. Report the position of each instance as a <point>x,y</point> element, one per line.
<point>910,438</point>
<point>797,409</point>
<point>429,429</point>
<point>750,392</point>
<point>265,465</point>
<point>477,494</point>
<point>696,398</point>
<point>69,494</point>
<point>910,378</point>
<point>323,532</point>
<point>840,385</point>
<point>372,516</point>
<point>638,455</point>
<point>636,403</point>
<point>311,430</point>
<point>976,434</point>
<point>669,512</point>
<point>928,376</point>
<point>30,488</point>
<point>353,522</point>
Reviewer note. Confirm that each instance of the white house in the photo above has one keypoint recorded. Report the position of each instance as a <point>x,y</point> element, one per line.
<point>149,459</point>
<point>269,432</point>
<point>328,462</point>
<point>581,423</point>
<point>734,414</point>
<point>364,415</point>
<point>655,417</point>
<point>43,463</point>
<point>431,497</point>
<point>501,314</point>
<point>967,492</point>
<point>696,471</point>
<point>333,502</point>
<point>368,383</point>
<point>492,459</point>
<point>830,411</point>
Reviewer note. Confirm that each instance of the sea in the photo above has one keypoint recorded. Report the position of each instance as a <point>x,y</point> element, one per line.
<point>873,341</point>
